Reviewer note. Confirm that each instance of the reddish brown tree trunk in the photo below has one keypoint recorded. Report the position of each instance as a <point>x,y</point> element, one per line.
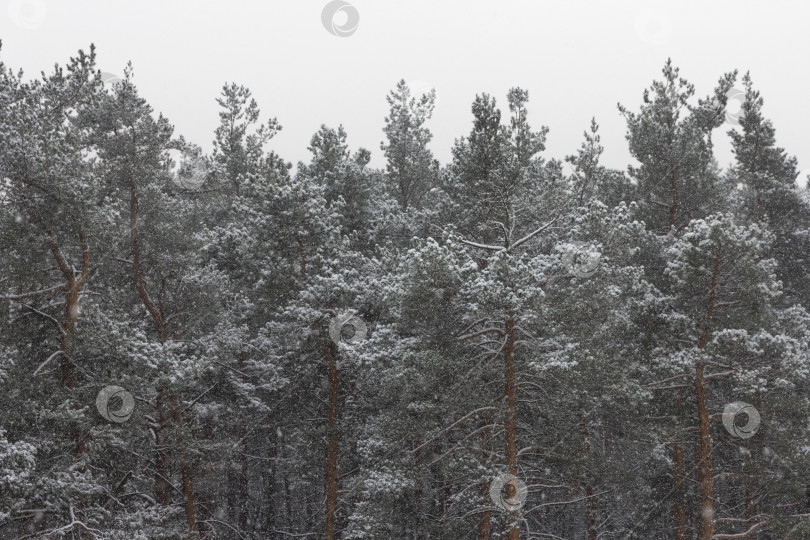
<point>704,458</point>
<point>704,448</point>
<point>485,521</point>
<point>137,269</point>
<point>331,454</point>
<point>590,515</point>
<point>71,313</point>
<point>510,392</point>
<point>188,495</point>
<point>185,470</point>
<point>67,367</point>
<point>161,451</point>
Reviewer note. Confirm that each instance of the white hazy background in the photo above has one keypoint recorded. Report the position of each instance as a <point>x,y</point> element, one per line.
<point>577,60</point>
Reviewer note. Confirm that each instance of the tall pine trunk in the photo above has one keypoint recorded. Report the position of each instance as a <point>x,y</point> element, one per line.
<point>71,312</point>
<point>185,470</point>
<point>704,447</point>
<point>161,451</point>
<point>420,504</point>
<point>67,367</point>
<point>590,514</point>
<point>704,458</point>
<point>510,392</point>
<point>485,521</point>
<point>162,327</point>
<point>271,505</point>
<point>331,454</point>
<point>673,209</point>
<point>678,509</point>
<point>162,494</point>
<point>590,500</point>
<point>679,493</point>
<point>243,483</point>
<point>749,500</point>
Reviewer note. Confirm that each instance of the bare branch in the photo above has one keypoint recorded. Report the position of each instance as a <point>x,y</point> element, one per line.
<point>51,357</point>
<point>33,294</point>
<point>450,427</point>
<point>533,234</point>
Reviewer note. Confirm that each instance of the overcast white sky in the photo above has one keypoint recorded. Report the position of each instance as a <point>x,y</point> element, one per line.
<point>577,60</point>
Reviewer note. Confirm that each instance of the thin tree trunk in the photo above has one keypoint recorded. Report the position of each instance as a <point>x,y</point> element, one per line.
<point>510,392</point>
<point>331,455</point>
<point>185,471</point>
<point>704,458</point>
<point>678,509</point>
<point>161,461</point>
<point>238,482</point>
<point>590,514</point>
<point>231,497</point>
<point>704,449</point>
<point>243,483</point>
<point>67,367</point>
<point>161,452</point>
<point>71,313</point>
<point>188,495</point>
<point>140,286</point>
<point>288,515</point>
<point>749,500</point>
<point>270,482</point>
<point>673,210</point>
<point>303,255</point>
<point>420,491</point>
<point>590,504</point>
<point>162,494</point>
<point>485,521</point>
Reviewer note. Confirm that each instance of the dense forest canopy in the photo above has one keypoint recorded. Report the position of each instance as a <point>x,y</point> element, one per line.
<point>221,346</point>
